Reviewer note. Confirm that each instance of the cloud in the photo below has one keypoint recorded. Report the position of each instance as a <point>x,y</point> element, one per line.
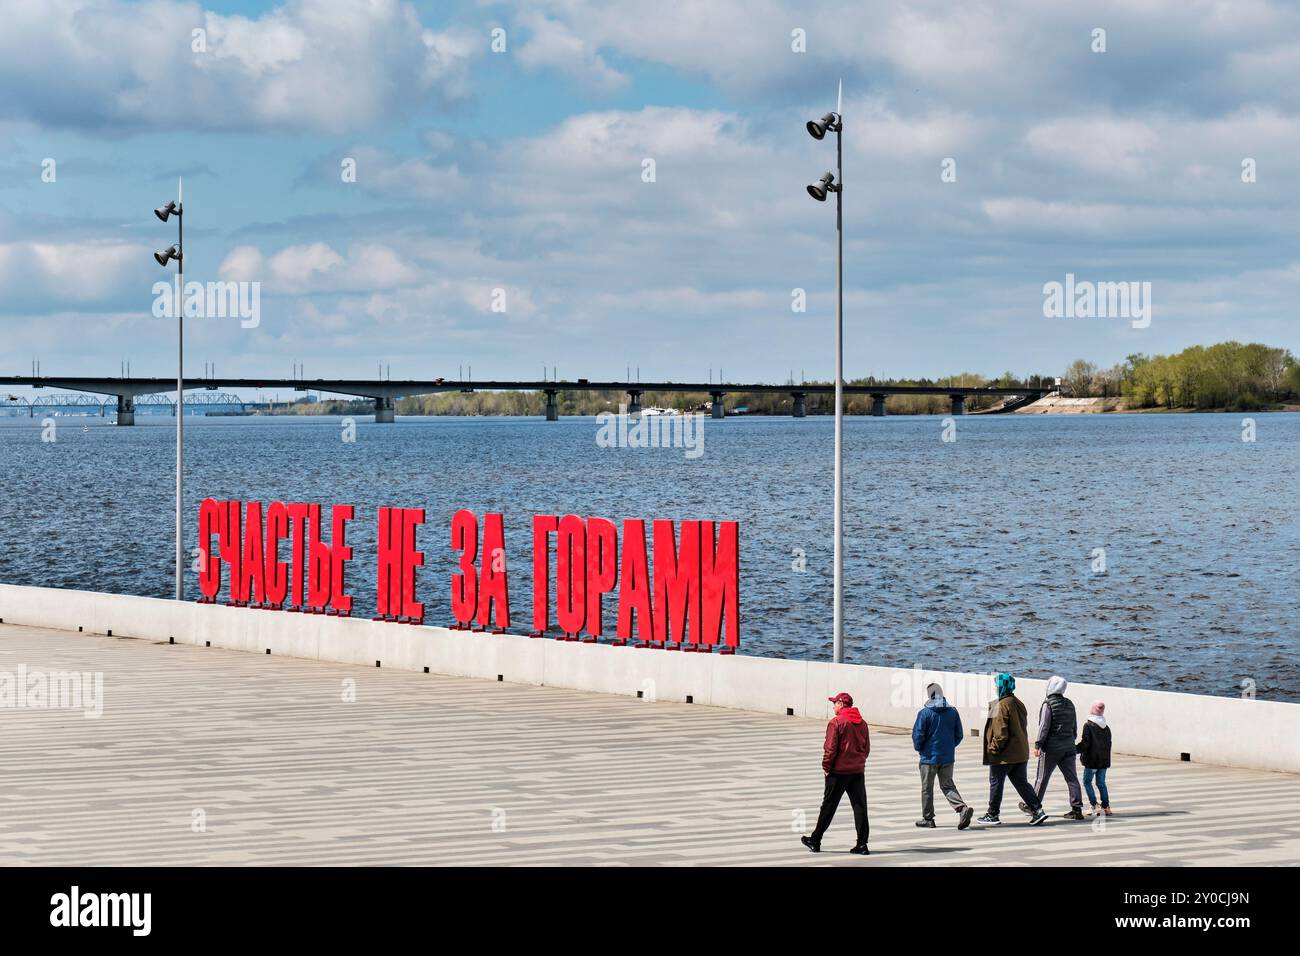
<point>303,65</point>
<point>1122,166</point>
<point>92,274</point>
<point>317,268</point>
<point>1098,144</point>
<point>553,44</point>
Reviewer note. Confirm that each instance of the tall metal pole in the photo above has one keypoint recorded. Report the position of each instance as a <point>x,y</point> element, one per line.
<point>180,388</point>
<point>839,400</point>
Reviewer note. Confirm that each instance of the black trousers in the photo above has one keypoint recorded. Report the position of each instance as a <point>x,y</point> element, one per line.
<point>837,784</point>
<point>998,774</point>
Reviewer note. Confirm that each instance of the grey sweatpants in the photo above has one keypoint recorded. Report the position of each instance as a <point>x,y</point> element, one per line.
<point>1049,762</point>
<point>944,772</point>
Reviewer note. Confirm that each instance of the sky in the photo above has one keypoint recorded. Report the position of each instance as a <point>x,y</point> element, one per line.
<point>597,186</point>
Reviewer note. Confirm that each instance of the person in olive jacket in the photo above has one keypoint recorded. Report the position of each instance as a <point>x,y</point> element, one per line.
<point>1094,754</point>
<point>1006,752</point>
<point>844,761</point>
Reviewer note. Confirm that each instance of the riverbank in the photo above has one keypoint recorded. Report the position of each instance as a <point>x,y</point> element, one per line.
<point>1055,405</point>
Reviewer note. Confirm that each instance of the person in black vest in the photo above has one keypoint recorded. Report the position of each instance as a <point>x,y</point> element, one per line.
<point>1094,754</point>
<point>1054,746</point>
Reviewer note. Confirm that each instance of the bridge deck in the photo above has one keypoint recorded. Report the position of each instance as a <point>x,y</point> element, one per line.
<point>395,388</point>
<point>419,767</point>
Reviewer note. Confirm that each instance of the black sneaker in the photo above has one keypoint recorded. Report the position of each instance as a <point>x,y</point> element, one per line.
<point>989,820</point>
<point>925,823</point>
<point>1074,814</point>
<point>808,842</point>
<point>964,821</point>
<point>861,850</point>
<point>1038,819</point>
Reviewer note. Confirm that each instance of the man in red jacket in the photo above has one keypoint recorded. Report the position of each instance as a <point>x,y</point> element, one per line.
<point>844,761</point>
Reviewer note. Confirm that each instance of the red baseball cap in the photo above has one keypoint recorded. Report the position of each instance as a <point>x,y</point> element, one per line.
<point>841,698</point>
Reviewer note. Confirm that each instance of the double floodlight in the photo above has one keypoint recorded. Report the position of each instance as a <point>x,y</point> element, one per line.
<point>169,254</point>
<point>162,212</point>
<point>822,187</point>
<point>817,128</point>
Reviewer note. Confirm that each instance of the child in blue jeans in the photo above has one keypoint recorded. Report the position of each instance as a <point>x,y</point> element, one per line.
<point>1094,753</point>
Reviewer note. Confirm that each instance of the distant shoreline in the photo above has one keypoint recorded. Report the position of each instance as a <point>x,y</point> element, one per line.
<point>1116,406</point>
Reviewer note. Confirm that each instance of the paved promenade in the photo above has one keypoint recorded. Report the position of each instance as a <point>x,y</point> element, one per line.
<point>422,769</point>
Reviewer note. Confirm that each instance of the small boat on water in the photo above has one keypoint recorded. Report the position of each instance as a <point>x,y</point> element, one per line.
<point>656,410</point>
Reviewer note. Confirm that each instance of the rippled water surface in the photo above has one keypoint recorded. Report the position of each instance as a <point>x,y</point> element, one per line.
<point>976,554</point>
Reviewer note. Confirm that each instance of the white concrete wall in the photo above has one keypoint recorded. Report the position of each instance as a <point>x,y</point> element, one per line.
<point>1263,735</point>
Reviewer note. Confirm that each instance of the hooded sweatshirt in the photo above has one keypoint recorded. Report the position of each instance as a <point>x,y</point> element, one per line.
<point>1057,724</point>
<point>937,731</point>
<point>848,743</point>
<point>1094,745</point>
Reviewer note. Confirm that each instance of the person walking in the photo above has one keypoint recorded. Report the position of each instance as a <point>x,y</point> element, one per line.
<point>1094,754</point>
<point>844,762</point>
<point>935,736</point>
<point>1006,752</point>
<point>1058,729</point>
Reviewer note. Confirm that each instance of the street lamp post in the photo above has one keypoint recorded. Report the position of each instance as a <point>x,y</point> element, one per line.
<point>834,183</point>
<point>177,252</point>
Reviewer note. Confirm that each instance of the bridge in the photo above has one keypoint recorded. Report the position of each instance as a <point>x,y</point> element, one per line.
<point>385,392</point>
<point>97,405</point>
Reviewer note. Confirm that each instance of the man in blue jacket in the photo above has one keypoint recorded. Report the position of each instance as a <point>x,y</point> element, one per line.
<point>935,735</point>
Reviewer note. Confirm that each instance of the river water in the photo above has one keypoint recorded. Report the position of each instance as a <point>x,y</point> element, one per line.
<point>980,553</point>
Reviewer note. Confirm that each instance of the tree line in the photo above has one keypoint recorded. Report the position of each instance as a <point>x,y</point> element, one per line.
<point>1230,376</point>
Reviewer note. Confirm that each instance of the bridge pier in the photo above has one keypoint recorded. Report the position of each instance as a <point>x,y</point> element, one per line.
<point>878,404</point>
<point>126,409</point>
<point>958,404</point>
<point>634,403</point>
<point>552,409</point>
<point>719,409</point>
<point>800,404</point>
<point>383,411</point>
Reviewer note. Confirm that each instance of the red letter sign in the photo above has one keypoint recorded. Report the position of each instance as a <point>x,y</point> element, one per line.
<point>494,589</point>
<point>634,592</point>
<point>677,583</point>
<point>464,586</point>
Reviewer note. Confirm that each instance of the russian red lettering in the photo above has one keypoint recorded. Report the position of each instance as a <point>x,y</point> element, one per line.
<point>388,597</point>
<point>543,526</point>
<point>571,574</point>
<point>634,597</point>
<point>341,553</point>
<point>230,545</point>
<point>320,563</point>
<point>412,518</point>
<point>277,573</point>
<point>464,585</point>
<point>298,527</point>
<point>254,569</point>
<point>677,582</point>
<point>720,572</point>
<point>494,589</point>
<point>209,563</point>
<point>602,570</point>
